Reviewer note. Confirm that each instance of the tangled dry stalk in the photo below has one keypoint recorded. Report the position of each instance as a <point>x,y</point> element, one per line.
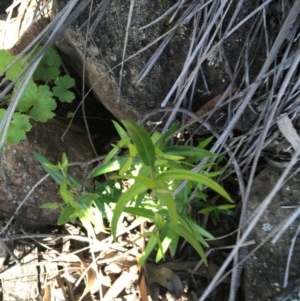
<point>272,94</point>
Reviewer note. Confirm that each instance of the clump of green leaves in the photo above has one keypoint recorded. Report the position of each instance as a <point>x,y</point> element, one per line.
<point>153,169</point>
<point>39,99</point>
<point>87,206</point>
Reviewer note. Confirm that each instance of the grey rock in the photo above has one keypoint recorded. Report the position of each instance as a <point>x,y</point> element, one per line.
<point>264,270</point>
<point>125,98</point>
<point>21,171</point>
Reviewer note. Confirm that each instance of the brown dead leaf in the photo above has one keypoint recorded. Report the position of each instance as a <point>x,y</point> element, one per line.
<point>215,101</point>
<point>165,277</point>
<point>54,290</point>
<point>47,293</point>
<point>90,280</point>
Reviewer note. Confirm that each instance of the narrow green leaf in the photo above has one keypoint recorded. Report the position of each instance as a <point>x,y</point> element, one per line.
<point>142,141</point>
<point>85,200</point>
<point>123,143</point>
<point>124,199</point>
<point>158,139</point>
<point>208,210</point>
<point>205,142</point>
<point>66,215</point>
<point>122,133</point>
<point>55,174</point>
<point>108,167</point>
<point>213,174</point>
<point>64,163</point>
<point>166,197</point>
<point>140,179</point>
<point>195,228</point>
<point>225,207</point>
<point>171,130</point>
<point>53,205</point>
<point>189,151</point>
<point>174,242</point>
<point>189,175</point>
<point>182,201</point>
<point>165,244</point>
<point>126,166</point>
<point>151,244</point>
<point>146,213</point>
<point>175,158</point>
<point>161,162</point>
<point>189,237</point>
<point>66,195</point>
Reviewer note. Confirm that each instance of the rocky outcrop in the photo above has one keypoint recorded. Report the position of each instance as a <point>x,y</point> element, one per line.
<point>265,269</point>
<point>118,34</point>
<point>20,172</point>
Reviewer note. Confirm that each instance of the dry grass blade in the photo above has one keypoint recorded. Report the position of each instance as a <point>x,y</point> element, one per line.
<point>100,11</point>
<point>198,49</point>
<point>125,46</point>
<point>294,14</point>
<point>289,132</point>
<point>105,268</point>
<point>169,35</point>
<point>289,259</point>
<point>123,280</point>
<point>252,224</point>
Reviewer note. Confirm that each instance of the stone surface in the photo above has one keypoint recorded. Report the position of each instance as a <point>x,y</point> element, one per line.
<point>20,171</point>
<point>264,270</point>
<point>105,50</point>
<point>126,98</point>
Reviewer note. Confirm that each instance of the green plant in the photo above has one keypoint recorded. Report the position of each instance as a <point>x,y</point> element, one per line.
<point>38,100</point>
<point>214,211</point>
<point>152,169</point>
<point>77,204</point>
